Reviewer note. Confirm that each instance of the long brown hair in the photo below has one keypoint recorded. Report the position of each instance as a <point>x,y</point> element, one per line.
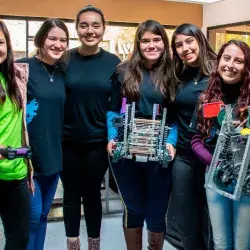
<point>206,57</point>
<point>162,72</point>
<point>214,91</point>
<point>7,68</point>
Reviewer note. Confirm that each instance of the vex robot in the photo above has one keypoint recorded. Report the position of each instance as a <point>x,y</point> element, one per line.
<point>229,172</point>
<point>143,139</point>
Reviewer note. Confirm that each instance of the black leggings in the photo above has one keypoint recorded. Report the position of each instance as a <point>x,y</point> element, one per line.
<point>15,212</point>
<point>84,167</point>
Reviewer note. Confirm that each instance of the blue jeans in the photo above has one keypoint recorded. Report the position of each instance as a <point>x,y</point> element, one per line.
<point>45,188</point>
<point>230,221</point>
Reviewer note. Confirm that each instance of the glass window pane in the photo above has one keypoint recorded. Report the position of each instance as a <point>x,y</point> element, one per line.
<point>17,29</point>
<point>34,27</point>
<point>32,48</point>
<point>72,30</point>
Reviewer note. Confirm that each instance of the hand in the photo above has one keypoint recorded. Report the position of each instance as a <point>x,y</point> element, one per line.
<point>111,146</point>
<point>1,157</point>
<point>171,150</point>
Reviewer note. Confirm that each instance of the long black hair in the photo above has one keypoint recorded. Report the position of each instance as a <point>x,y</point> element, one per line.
<point>207,56</point>
<point>7,68</point>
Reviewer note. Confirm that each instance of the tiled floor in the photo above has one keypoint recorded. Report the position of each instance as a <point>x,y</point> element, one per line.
<point>111,235</point>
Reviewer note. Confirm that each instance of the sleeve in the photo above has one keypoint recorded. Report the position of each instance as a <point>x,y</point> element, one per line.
<point>115,100</point>
<point>172,135</point>
<point>200,149</point>
<point>112,130</point>
<point>115,103</point>
<point>172,123</point>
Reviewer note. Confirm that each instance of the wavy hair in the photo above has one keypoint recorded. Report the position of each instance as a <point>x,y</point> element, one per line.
<point>162,72</point>
<point>206,55</point>
<point>7,68</point>
<point>214,91</point>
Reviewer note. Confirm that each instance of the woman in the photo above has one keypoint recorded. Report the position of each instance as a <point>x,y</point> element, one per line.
<point>88,79</point>
<point>14,191</point>
<point>230,84</point>
<point>146,78</point>
<point>45,117</point>
<point>193,60</point>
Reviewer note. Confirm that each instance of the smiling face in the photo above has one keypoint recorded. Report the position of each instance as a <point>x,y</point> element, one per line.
<point>151,47</point>
<point>3,47</point>
<point>232,64</point>
<point>187,49</point>
<point>54,45</point>
<point>90,29</point>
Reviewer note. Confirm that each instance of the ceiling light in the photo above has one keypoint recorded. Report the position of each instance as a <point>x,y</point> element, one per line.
<point>195,1</point>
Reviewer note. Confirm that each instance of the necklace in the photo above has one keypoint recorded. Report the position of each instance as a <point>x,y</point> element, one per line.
<point>50,75</point>
<point>196,80</point>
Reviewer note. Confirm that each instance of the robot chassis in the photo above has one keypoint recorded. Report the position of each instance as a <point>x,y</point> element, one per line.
<point>229,172</point>
<point>143,139</point>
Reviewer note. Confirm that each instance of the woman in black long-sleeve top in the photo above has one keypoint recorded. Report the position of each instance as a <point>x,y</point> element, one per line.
<point>146,79</point>
<point>193,60</point>
<point>85,161</point>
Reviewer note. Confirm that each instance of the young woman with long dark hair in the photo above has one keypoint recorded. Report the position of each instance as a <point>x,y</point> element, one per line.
<point>85,160</point>
<point>193,61</point>
<point>15,175</point>
<point>146,79</point>
<point>229,83</point>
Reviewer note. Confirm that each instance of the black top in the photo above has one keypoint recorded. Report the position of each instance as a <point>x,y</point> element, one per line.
<point>88,79</point>
<point>230,95</point>
<point>230,92</point>
<point>184,107</point>
<point>149,96</point>
<point>45,115</point>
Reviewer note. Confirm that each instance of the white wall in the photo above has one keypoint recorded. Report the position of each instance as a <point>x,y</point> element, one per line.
<point>225,12</point>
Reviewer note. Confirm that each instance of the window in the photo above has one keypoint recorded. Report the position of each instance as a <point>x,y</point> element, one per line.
<point>118,37</point>
<point>219,35</point>
<point>17,29</point>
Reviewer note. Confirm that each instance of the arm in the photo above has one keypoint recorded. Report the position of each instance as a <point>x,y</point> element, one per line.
<point>171,140</point>
<point>115,103</point>
<point>172,135</point>
<point>200,149</point>
<point>112,130</point>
